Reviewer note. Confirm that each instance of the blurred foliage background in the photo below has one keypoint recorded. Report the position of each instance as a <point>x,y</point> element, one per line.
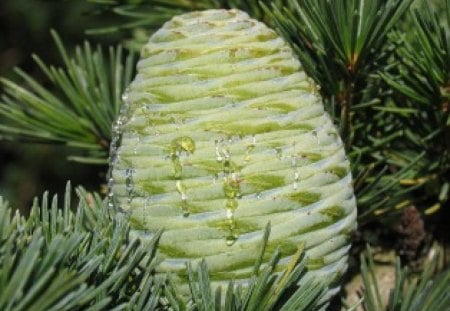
<point>27,170</point>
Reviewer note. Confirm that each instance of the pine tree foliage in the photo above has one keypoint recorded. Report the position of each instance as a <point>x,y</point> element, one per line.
<point>346,46</point>
<point>79,112</point>
<point>58,259</point>
<point>267,289</point>
<point>427,292</point>
<point>421,107</point>
<point>342,45</point>
<point>151,14</point>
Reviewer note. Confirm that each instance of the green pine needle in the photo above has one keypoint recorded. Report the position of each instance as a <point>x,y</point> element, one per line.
<point>60,259</point>
<point>340,44</point>
<point>78,112</point>
<point>147,16</point>
<point>268,289</point>
<point>57,259</point>
<point>427,292</point>
<point>421,81</point>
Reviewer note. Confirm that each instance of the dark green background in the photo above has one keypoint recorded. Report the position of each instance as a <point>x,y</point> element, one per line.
<point>27,170</point>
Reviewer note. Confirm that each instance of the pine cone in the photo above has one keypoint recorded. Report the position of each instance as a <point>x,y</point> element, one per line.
<point>222,132</point>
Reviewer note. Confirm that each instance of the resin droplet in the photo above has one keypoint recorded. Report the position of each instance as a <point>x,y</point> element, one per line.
<point>279,152</point>
<point>110,186</point>
<point>182,144</point>
<point>231,188</point>
<point>219,157</point>
<point>138,142</point>
<point>177,168</point>
<point>223,153</point>
<point>294,161</point>
<point>125,96</point>
<point>296,179</point>
<point>226,160</point>
<point>177,147</point>
<point>184,204</point>
<point>231,206</point>
<point>250,148</point>
<point>230,240</point>
<point>129,183</point>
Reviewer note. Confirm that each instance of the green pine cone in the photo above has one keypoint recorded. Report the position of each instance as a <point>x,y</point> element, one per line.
<point>222,132</point>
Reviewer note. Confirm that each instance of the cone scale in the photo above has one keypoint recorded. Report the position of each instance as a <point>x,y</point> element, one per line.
<point>220,133</point>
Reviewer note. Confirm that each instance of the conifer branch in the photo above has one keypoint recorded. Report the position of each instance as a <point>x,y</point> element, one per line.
<point>421,107</point>
<point>81,107</point>
<point>57,259</point>
<point>428,292</point>
<point>340,44</point>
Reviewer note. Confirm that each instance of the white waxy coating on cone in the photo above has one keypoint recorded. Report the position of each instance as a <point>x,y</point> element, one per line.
<point>222,132</point>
